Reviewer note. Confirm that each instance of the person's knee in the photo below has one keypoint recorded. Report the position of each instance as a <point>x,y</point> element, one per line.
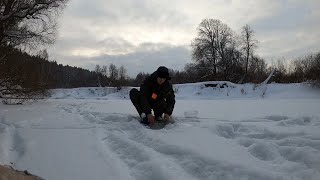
<point>134,95</point>
<point>133,92</point>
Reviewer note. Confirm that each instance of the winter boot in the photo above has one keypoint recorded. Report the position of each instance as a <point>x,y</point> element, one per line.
<point>144,119</point>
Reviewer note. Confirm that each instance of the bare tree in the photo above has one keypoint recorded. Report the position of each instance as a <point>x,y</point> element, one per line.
<point>97,69</point>
<point>315,69</point>
<point>104,70</point>
<point>43,54</point>
<point>257,69</point>
<point>122,73</point>
<point>280,67</point>
<point>113,73</point>
<point>27,21</point>
<point>248,46</point>
<point>211,45</point>
<point>307,68</point>
<point>140,78</point>
<point>224,42</point>
<point>203,46</point>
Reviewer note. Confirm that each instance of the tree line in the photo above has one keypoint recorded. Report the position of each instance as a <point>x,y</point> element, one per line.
<point>31,69</point>
<point>219,53</point>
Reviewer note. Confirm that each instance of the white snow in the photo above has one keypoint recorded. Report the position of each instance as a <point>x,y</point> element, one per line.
<point>236,132</point>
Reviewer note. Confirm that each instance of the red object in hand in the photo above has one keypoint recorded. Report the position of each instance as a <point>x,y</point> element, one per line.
<point>166,117</point>
<point>151,119</point>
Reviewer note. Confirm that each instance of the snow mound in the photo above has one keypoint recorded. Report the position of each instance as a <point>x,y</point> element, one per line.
<point>201,90</point>
<point>91,93</point>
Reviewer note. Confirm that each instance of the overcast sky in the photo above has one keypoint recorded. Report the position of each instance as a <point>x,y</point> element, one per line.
<point>144,34</point>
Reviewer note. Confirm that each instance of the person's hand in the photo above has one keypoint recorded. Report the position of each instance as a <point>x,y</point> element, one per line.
<point>151,119</point>
<point>166,117</point>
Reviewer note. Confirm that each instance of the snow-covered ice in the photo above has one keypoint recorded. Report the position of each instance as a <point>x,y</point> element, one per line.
<point>234,132</point>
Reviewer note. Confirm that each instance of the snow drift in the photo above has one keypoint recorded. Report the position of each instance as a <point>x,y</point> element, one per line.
<point>223,131</point>
<point>201,90</point>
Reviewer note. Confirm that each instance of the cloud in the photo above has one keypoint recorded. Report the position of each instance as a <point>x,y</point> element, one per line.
<point>145,58</point>
<point>142,33</point>
<point>290,33</point>
<point>290,45</point>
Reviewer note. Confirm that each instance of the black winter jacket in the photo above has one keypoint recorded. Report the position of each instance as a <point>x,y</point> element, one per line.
<point>151,89</point>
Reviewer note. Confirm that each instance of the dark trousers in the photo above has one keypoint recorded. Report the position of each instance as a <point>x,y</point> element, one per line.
<point>157,106</point>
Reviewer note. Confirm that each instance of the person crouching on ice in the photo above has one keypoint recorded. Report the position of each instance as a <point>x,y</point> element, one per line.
<point>155,94</point>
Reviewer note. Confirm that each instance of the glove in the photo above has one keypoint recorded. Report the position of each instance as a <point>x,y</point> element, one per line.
<point>166,117</point>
